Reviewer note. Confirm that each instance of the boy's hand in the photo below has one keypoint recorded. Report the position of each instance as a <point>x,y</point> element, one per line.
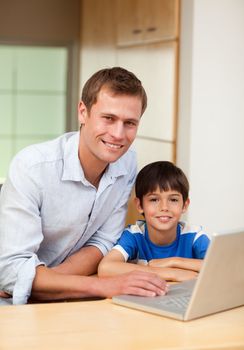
<point>176,269</point>
<point>180,275</point>
<point>177,262</point>
<point>173,274</point>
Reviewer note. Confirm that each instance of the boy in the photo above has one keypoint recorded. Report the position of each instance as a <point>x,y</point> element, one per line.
<point>161,243</point>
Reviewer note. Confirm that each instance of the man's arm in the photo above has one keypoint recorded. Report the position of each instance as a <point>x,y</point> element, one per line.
<point>114,264</point>
<point>84,262</point>
<point>65,281</point>
<point>69,280</point>
<point>50,285</point>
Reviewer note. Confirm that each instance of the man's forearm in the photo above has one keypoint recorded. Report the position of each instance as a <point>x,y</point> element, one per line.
<point>51,285</point>
<point>82,263</point>
<point>69,279</point>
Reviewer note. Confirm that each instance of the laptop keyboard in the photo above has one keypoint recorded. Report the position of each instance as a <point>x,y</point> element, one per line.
<point>179,301</point>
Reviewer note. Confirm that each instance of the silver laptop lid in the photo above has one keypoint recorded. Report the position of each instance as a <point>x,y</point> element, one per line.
<point>220,284</point>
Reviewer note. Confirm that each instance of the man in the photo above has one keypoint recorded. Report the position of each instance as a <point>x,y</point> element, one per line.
<point>64,202</point>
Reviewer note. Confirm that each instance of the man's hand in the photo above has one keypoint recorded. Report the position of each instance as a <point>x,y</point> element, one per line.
<point>50,285</point>
<point>136,283</point>
<point>4,295</point>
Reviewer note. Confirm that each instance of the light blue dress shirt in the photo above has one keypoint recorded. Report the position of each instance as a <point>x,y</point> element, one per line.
<point>48,210</point>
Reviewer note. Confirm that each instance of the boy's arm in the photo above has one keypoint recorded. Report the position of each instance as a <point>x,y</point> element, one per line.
<point>114,264</point>
<point>178,262</point>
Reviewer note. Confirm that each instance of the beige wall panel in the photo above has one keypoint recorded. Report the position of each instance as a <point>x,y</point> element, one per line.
<point>152,150</point>
<point>155,66</point>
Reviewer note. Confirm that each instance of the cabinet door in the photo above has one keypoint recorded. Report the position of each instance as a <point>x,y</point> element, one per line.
<point>129,21</point>
<point>160,20</point>
<point>144,21</point>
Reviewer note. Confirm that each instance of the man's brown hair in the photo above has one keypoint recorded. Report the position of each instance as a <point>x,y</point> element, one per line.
<point>118,80</point>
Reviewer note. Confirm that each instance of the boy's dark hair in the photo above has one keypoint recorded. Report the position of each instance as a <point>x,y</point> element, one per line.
<point>164,175</point>
<point>118,80</point>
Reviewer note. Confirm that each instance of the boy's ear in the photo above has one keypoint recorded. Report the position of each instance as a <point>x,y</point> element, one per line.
<point>82,112</point>
<point>138,205</point>
<point>186,205</point>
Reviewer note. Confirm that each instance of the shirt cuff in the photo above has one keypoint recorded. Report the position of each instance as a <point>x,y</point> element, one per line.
<point>25,277</point>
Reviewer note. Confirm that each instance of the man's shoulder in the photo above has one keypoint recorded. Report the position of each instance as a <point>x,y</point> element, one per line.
<point>48,151</point>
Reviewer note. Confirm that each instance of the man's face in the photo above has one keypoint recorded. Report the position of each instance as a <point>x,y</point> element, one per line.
<point>110,127</point>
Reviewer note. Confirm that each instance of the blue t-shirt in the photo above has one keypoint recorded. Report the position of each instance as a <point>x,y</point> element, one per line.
<point>135,244</point>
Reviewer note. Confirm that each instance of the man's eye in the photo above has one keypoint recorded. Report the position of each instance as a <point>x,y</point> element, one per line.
<point>107,117</point>
<point>130,123</point>
<point>174,200</point>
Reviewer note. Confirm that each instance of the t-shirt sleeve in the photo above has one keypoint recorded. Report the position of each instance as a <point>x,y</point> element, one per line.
<point>200,246</point>
<point>127,245</point>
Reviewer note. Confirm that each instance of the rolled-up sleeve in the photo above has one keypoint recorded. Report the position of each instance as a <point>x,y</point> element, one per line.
<point>20,232</point>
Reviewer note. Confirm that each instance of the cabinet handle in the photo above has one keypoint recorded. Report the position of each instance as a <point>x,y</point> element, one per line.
<point>136,31</point>
<point>151,29</point>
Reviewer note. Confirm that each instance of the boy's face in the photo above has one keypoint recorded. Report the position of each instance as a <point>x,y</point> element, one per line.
<point>162,211</point>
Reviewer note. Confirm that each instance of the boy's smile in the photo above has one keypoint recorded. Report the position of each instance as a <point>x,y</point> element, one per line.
<point>162,211</point>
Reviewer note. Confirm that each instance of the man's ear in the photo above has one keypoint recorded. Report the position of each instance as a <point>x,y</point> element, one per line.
<point>186,205</point>
<point>82,112</point>
<point>138,205</point>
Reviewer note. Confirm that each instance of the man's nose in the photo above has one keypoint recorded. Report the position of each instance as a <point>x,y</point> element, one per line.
<point>117,130</point>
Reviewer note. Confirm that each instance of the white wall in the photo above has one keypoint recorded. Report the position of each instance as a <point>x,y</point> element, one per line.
<point>211,111</point>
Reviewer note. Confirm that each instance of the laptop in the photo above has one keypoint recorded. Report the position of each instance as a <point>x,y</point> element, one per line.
<point>218,287</point>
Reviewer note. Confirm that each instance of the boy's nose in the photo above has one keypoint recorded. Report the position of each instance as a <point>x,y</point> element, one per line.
<point>164,206</point>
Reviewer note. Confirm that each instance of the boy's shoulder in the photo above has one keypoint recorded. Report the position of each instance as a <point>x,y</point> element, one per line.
<point>138,227</point>
<point>186,227</point>
<point>196,230</point>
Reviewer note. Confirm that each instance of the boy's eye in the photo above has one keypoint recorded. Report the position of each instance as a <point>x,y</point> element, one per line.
<point>174,199</point>
<point>153,199</point>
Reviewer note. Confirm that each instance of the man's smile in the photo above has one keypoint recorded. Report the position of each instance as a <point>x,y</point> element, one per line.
<point>112,145</point>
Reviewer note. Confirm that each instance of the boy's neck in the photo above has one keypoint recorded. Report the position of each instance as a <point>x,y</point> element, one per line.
<point>162,238</point>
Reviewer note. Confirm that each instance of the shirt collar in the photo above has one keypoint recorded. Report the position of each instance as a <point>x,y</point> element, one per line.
<point>116,169</point>
<point>73,170</point>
